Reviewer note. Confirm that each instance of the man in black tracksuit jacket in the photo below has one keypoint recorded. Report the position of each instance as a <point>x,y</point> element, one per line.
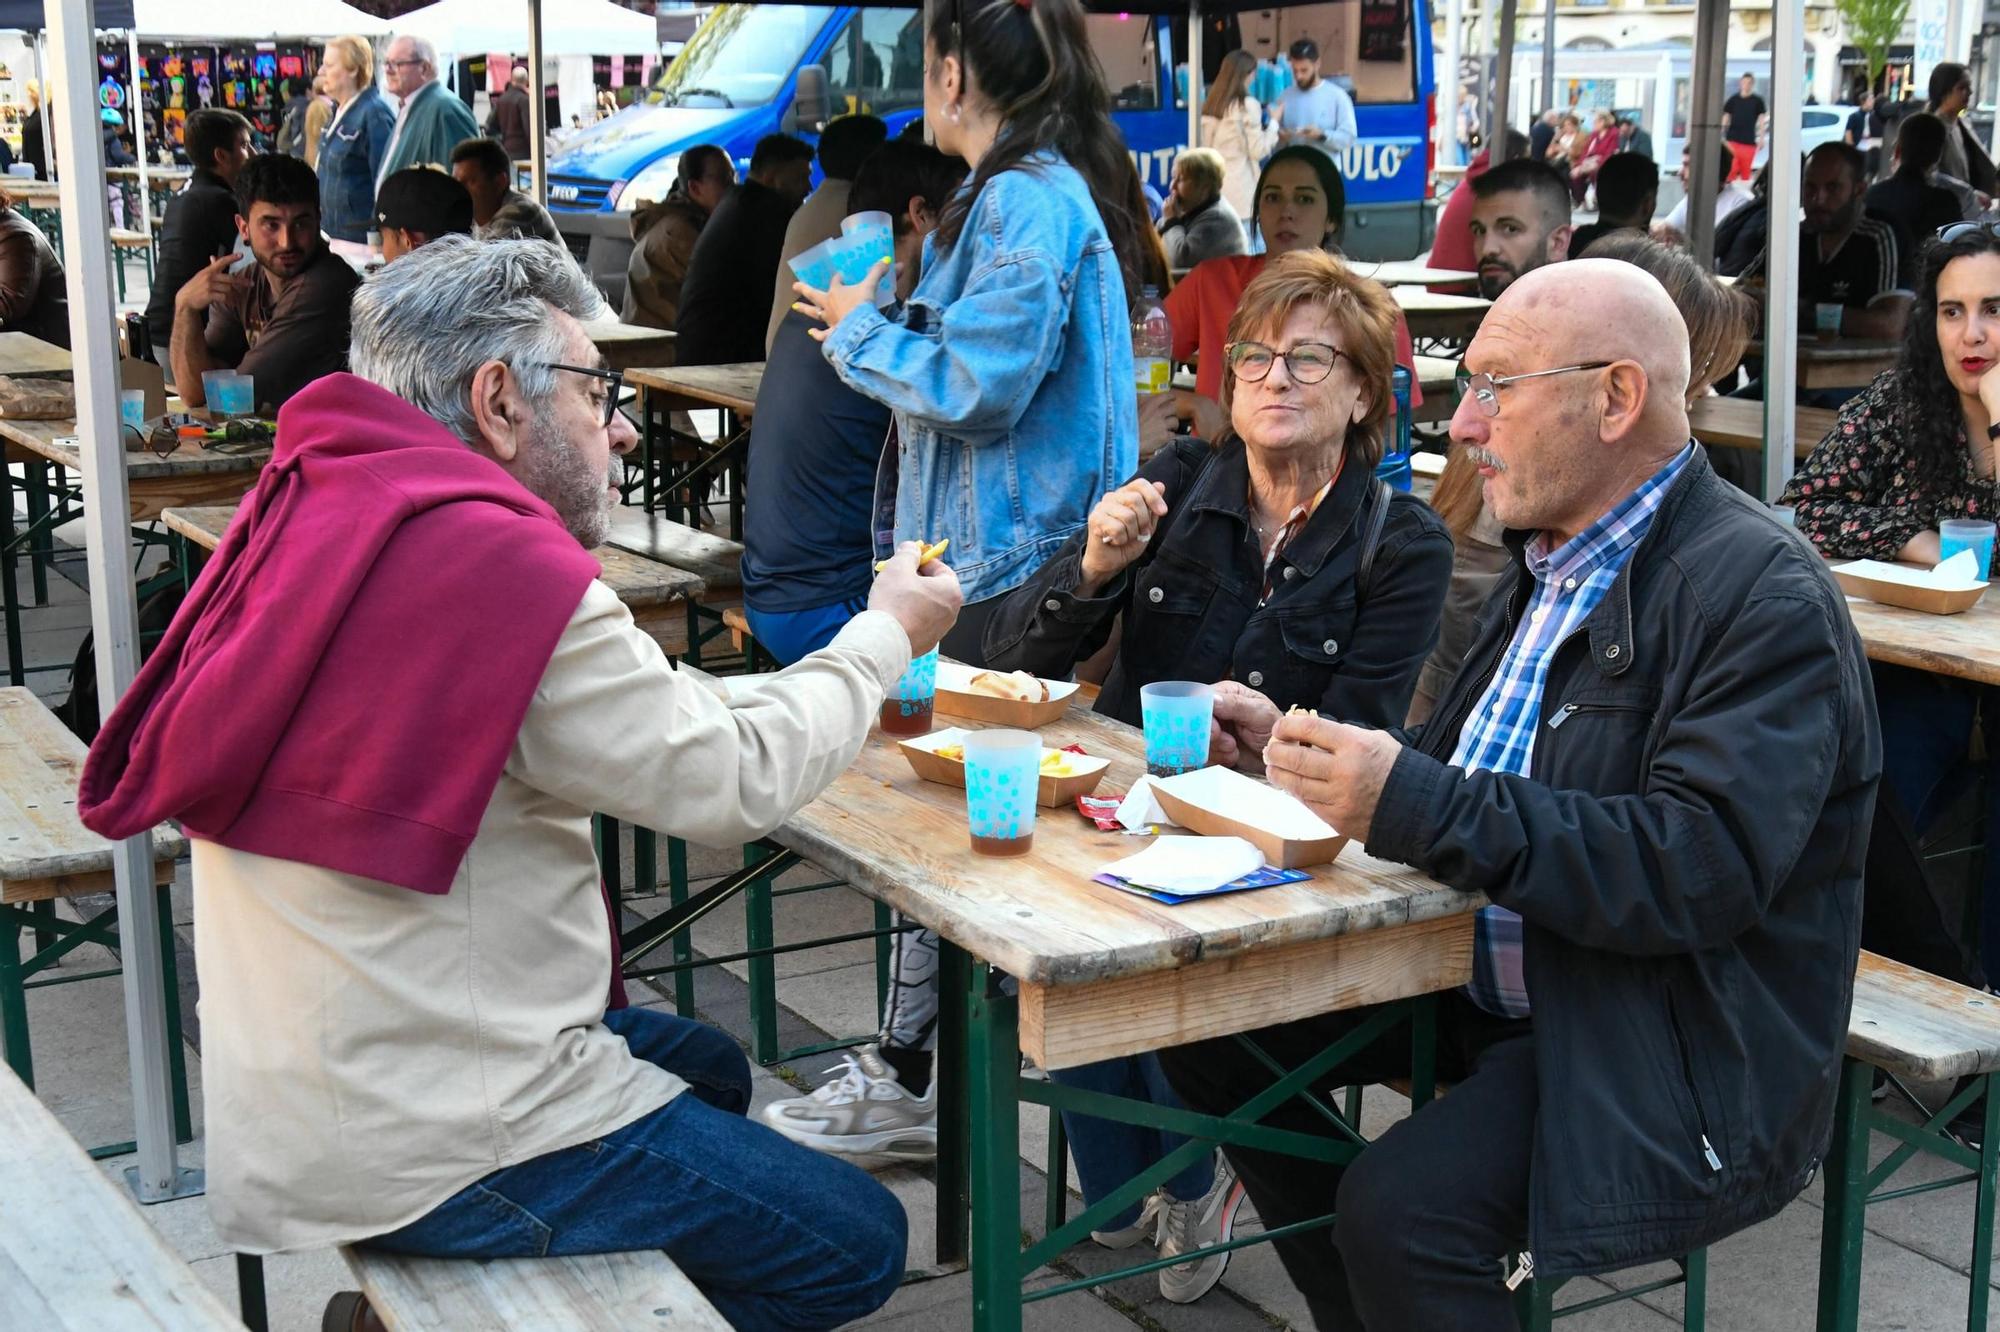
<point>199,223</point>
<point>1685,852</point>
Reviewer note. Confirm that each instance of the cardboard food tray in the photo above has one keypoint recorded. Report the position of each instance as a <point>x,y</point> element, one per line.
<point>1050,792</point>
<point>954,679</point>
<point>1930,600</point>
<point>1284,852</point>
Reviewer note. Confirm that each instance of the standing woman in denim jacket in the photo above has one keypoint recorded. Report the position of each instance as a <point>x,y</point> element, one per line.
<point>1010,368</point>
<point>354,142</point>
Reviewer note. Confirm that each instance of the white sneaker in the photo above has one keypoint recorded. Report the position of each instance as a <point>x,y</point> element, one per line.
<point>1187,1226</point>
<point>1146,1227</point>
<point>863,1112</point>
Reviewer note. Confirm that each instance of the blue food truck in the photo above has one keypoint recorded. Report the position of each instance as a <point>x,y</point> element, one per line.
<point>756,69</point>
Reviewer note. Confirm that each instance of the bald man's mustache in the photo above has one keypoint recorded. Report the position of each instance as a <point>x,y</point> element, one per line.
<point>1484,457</point>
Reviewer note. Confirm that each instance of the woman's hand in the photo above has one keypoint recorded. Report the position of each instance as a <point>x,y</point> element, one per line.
<point>1989,394</point>
<point>1241,727</point>
<point>1119,528</point>
<point>1158,415</point>
<point>1924,548</point>
<point>839,300</point>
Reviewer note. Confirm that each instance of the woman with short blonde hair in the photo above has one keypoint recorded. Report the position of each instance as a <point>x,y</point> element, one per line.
<point>355,140</point>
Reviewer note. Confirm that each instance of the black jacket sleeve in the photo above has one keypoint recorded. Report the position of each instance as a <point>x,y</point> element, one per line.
<point>1396,625</point>
<point>197,226</point>
<point>1043,627</point>
<point>1693,859</point>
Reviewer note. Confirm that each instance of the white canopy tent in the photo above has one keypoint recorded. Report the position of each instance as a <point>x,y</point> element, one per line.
<point>246,21</point>
<point>475,27</point>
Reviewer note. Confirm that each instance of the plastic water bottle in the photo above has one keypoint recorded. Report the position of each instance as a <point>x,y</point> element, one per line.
<point>1395,465</point>
<point>1152,344</point>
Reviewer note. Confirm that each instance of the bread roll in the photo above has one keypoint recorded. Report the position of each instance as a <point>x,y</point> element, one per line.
<point>1015,686</point>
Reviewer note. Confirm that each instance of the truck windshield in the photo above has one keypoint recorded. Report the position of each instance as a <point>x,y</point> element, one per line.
<point>741,56</point>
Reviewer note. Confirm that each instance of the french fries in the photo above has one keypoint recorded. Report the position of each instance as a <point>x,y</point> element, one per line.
<point>930,553</point>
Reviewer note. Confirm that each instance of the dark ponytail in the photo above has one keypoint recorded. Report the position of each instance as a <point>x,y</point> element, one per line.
<point>1032,60</point>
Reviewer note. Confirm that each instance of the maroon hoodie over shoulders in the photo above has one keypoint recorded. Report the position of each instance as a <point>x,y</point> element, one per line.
<point>346,679</point>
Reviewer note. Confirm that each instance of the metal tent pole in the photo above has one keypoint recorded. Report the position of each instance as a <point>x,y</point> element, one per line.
<point>538,107</point>
<point>1548,58</point>
<point>1781,311</point>
<point>145,227</point>
<point>1454,37</point>
<point>1704,136</point>
<point>1498,121</point>
<point>114,612</point>
<point>1194,74</point>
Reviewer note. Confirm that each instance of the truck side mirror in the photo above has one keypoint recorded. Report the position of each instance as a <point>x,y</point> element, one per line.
<point>810,102</point>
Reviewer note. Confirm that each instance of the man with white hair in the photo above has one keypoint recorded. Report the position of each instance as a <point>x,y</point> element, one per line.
<point>384,716</point>
<point>1658,763</point>
<point>431,121</point>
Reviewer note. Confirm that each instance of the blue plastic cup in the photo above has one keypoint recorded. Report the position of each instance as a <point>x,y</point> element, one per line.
<point>1956,534</point>
<point>132,409</point>
<point>907,707</point>
<point>236,395</point>
<point>1002,772</point>
<point>1176,715</point>
<point>211,387</point>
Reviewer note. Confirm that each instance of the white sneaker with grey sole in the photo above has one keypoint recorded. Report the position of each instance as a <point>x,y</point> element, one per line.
<point>863,1112</point>
<point>1187,1226</point>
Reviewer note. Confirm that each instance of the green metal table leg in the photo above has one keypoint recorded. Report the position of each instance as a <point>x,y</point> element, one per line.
<point>1423,1051</point>
<point>1846,1203</point>
<point>993,1067</point>
<point>954,1113</point>
<point>1352,1110</point>
<point>610,858</point>
<point>645,861</point>
<point>14,1006</point>
<point>763,969</point>
<point>44,939</point>
<point>170,978</point>
<point>1982,1211</point>
<point>1694,1298</point>
<point>41,539</point>
<point>885,953</point>
<point>1056,1210</point>
<point>10,592</point>
<point>682,946</point>
<point>1535,1305</point>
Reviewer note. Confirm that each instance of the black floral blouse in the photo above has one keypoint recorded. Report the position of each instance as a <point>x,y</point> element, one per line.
<point>1856,496</point>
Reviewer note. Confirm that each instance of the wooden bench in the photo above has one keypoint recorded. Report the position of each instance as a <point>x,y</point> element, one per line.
<point>75,1254</point>
<point>1916,1027</point>
<point>46,853</point>
<point>605,1292</point>
<point>125,243</point>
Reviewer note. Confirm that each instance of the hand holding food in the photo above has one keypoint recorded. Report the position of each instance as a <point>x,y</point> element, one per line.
<point>1119,528</point>
<point>925,603</point>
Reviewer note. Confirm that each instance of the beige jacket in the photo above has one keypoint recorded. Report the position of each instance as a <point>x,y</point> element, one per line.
<point>369,1051</point>
<point>817,219</point>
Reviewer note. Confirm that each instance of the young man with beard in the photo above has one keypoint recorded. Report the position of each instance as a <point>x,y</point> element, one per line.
<point>384,717</point>
<point>1520,221</point>
<point>1850,279</point>
<point>282,321</point>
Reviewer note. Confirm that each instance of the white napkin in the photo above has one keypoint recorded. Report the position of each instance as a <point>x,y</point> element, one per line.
<point>1188,865</point>
<point>1139,810</point>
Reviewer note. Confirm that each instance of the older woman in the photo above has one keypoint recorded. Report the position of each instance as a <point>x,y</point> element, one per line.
<point>1274,564</point>
<point>1916,447</point>
<point>1301,205</point>
<point>1197,223</point>
<point>1591,154</point>
<point>355,141</point>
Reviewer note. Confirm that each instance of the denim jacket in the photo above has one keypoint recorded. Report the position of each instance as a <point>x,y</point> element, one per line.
<point>1010,374</point>
<point>1192,607</point>
<point>350,153</point>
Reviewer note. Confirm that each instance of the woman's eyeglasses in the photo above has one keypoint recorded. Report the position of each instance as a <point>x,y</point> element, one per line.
<point>1484,389</point>
<point>233,437</point>
<point>614,384</point>
<point>1307,363</point>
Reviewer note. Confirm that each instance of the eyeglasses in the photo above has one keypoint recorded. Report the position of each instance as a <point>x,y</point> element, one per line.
<point>398,64</point>
<point>614,381</point>
<point>1307,363</point>
<point>1485,388</point>
<point>233,437</point>
<point>1952,231</point>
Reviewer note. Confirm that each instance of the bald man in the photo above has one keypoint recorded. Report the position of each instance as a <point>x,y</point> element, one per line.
<point>1658,764</point>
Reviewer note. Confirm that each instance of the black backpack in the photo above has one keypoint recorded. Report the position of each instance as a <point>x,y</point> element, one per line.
<point>79,711</point>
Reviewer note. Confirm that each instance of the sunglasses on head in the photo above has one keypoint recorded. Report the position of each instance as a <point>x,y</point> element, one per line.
<point>1960,230</point>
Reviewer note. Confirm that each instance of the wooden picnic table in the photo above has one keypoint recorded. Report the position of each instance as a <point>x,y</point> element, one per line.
<point>190,474</point>
<point>76,1255</point>
<point>1102,973</point>
<point>1738,423</point>
<point>1839,362</point>
<point>1408,273</point>
<point>674,461</point>
<point>1437,376</point>
<point>1439,317</point>
<point>1965,646</point>
<point>628,345</point>
<point>656,593</point>
<point>25,354</point>
<point>717,561</point>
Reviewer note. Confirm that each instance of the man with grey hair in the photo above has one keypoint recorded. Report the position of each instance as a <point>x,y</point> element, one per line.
<point>431,121</point>
<point>1658,764</point>
<point>412,691</point>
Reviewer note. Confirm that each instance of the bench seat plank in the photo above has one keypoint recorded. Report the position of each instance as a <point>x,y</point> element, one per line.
<point>603,1292</point>
<point>75,1254</point>
<point>1919,1026</point>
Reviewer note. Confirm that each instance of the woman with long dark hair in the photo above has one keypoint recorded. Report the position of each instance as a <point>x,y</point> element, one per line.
<point>1232,123</point>
<point>1009,370</point>
<point>1916,447</point>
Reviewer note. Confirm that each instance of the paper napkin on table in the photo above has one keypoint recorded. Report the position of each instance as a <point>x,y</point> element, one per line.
<point>1140,810</point>
<point>1188,865</point>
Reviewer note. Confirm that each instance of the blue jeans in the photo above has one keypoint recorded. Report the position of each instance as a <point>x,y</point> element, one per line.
<point>1109,1153</point>
<point>1927,722</point>
<point>790,636</point>
<point>774,1234</point>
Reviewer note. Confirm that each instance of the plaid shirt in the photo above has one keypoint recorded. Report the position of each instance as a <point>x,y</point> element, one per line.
<point>1499,733</point>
